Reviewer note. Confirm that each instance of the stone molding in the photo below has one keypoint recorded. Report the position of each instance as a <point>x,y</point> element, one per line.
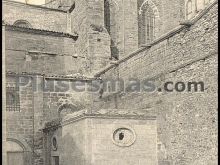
<point>55,77</point>
<point>21,142</point>
<point>108,114</point>
<point>40,31</point>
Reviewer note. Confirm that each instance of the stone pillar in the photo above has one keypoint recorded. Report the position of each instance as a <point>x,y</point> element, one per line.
<point>69,22</point>
<point>95,12</point>
<point>38,119</point>
<point>99,52</point>
<point>99,43</point>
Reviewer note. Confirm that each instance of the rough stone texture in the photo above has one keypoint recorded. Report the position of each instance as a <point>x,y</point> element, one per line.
<point>99,50</point>
<point>25,124</point>
<point>123,21</point>
<point>54,100</point>
<point>37,107</point>
<point>124,24</point>
<point>20,124</point>
<point>40,53</point>
<point>187,122</point>
<point>86,16</point>
<point>59,4</point>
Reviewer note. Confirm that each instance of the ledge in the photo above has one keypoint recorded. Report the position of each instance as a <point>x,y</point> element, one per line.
<point>55,77</point>
<point>40,31</point>
<point>137,114</point>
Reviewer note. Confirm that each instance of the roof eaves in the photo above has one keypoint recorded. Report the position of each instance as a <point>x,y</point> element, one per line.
<point>41,31</point>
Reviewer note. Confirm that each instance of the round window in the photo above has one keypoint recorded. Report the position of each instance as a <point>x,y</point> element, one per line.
<point>124,137</point>
<point>54,143</point>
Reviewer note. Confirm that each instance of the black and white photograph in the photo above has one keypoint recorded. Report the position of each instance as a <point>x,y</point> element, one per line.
<point>109,82</point>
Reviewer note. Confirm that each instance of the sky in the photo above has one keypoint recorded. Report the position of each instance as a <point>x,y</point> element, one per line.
<point>35,2</point>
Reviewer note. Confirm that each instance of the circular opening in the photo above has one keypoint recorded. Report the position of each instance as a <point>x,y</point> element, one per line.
<point>123,136</point>
<point>54,143</point>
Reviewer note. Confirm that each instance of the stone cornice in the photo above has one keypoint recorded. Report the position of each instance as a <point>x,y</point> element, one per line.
<point>109,114</point>
<point>40,31</point>
<point>55,77</point>
<point>96,116</point>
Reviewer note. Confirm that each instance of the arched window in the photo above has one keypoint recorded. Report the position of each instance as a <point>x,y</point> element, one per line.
<point>146,25</point>
<point>22,23</point>
<point>189,9</point>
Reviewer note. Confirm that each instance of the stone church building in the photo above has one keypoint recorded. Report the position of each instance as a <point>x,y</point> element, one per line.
<point>55,53</point>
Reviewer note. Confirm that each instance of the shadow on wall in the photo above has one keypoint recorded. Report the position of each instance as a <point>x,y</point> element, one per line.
<point>71,154</point>
<point>114,50</point>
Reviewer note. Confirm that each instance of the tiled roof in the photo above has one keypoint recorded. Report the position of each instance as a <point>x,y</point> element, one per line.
<point>40,31</point>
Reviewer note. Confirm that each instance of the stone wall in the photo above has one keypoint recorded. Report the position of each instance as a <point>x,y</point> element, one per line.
<point>87,20</point>
<point>74,143</point>
<point>24,125</point>
<point>58,54</point>
<point>38,17</point>
<point>95,139</point>
<point>124,23</point>
<point>143,150</point>
<point>20,124</point>
<point>38,107</point>
<point>59,4</point>
<point>40,53</point>
<point>123,20</point>
<point>187,121</point>
<point>55,100</point>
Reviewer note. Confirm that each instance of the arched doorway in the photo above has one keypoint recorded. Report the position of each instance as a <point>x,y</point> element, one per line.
<point>15,153</point>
